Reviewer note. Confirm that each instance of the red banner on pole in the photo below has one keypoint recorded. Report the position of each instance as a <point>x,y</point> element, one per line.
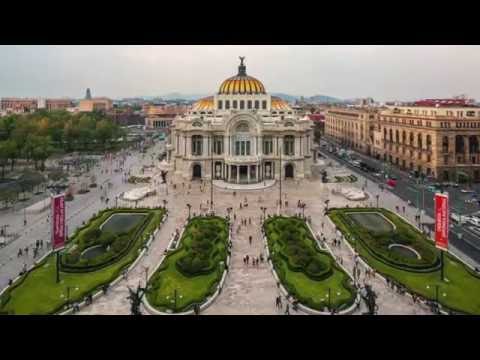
<point>442,225</point>
<point>58,222</point>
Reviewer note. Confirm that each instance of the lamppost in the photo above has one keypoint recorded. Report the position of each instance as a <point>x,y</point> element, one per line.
<point>146,268</point>
<point>189,207</point>
<point>377,196</point>
<point>303,210</point>
<point>116,200</point>
<point>280,183</point>
<point>174,300</point>
<point>164,203</point>
<point>212,172</point>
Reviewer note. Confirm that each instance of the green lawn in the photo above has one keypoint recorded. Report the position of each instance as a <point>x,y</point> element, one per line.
<point>38,293</point>
<point>460,293</point>
<point>192,288</point>
<point>306,271</point>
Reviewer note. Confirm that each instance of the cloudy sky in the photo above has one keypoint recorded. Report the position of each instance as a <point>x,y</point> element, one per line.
<point>381,72</point>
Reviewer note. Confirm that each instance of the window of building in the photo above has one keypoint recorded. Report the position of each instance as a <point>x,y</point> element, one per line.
<point>249,104</point>
<point>267,145</point>
<point>257,104</point>
<point>227,104</point>
<point>197,145</point>
<point>264,104</point>
<point>242,104</point>
<point>234,105</point>
<point>445,159</point>
<point>289,145</point>
<point>220,104</point>
<point>218,145</point>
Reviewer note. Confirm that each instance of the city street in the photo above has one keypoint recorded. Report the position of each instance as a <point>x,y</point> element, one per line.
<point>406,189</point>
<point>77,211</point>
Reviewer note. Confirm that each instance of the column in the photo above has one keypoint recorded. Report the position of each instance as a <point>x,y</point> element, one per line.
<point>238,174</point>
<point>229,173</point>
<point>256,173</point>
<point>248,174</point>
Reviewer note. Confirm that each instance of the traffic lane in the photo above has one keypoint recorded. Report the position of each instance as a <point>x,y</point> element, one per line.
<point>457,198</point>
<point>467,244</point>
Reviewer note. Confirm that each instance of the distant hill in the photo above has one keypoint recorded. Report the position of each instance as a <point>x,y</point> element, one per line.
<point>180,96</point>
<point>323,99</point>
<point>286,97</point>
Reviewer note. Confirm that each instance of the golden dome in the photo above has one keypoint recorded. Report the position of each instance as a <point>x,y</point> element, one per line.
<point>205,104</point>
<point>279,104</point>
<point>241,83</point>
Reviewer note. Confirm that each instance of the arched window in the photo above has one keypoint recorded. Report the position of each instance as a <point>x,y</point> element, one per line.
<point>197,145</point>
<point>234,106</point>
<point>264,104</point>
<point>220,104</point>
<point>419,141</point>
<point>404,137</point>
<point>289,145</point>
<point>257,104</point>
<point>391,135</point>
<point>242,104</point>
<point>227,104</point>
<point>242,139</point>
<point>411,139</point>
<point>249,104</point>
<point>397,136</point>
<point>429,142</point>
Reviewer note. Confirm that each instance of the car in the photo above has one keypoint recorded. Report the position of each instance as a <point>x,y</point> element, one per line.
<point>466,191</point>
<point>475,221</point>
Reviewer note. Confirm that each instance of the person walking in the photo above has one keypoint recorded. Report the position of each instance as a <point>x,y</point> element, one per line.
<point>287,309</point>
<point>250,239</point>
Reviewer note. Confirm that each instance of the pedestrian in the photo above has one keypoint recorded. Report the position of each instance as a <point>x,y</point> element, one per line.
<point>19,253</point>
<point>240,205</point>
<point>287,309</point>
<point>26,250</point>
<point>250,239</point>
<point>248,259</point>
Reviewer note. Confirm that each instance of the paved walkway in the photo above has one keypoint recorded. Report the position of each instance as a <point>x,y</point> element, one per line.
<point>248,289</point>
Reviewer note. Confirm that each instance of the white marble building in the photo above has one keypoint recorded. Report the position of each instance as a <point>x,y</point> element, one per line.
<point>244,133</point>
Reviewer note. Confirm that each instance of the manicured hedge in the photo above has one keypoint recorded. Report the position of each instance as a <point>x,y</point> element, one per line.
<point>120,244</point>
<point>306,271</point>
<point>377,243</point>
<point>193,268</point>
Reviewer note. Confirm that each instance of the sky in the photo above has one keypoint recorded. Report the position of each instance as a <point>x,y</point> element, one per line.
<point>381,72</point>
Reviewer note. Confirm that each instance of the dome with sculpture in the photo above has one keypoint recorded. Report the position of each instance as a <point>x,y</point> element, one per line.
<point>241,135</point>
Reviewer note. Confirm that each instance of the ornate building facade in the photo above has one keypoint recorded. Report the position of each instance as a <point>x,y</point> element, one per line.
<point>241,135</point>
<point>440,141</point>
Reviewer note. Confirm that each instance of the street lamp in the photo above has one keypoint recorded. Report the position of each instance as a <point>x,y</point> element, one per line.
<point>280,183</point>
<point>146,268</point>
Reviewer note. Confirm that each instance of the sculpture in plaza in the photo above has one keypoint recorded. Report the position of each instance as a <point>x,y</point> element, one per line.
<point>370,299</point>
<point>135,298</point>
<point>163,174</point>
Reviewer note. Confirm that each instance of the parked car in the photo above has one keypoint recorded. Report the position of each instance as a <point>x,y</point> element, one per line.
<point>475,221</point>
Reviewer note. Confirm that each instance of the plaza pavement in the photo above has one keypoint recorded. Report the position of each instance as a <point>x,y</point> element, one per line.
<point>77,211</point>
<point>247,290</point>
